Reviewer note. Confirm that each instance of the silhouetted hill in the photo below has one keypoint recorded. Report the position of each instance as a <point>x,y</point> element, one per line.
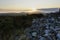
<point>49,10</point>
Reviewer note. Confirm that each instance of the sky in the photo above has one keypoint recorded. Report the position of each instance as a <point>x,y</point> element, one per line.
<point>28,4</point>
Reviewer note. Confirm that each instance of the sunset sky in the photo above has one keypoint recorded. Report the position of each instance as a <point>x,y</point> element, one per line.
<point>28,4</point>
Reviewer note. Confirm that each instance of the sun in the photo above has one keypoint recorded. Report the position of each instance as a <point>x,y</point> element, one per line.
<point>33,9</point>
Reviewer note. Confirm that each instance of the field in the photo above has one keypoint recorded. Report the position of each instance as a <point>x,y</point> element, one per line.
<point>13,27</point>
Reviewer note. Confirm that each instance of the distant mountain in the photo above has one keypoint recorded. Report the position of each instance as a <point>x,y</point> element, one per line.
<point>13,14</point>
<point>48,10</point>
